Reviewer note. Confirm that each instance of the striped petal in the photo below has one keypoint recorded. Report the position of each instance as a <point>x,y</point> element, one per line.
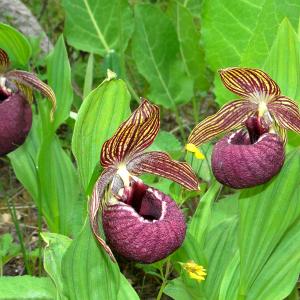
<point>30,80</point>
<point>286,113</point>
<point>4,61</point>
<point>133,136</point>
<point>246,81</point>
<point>95,205</point>
<point>161,164</point>
<point>230,116</point>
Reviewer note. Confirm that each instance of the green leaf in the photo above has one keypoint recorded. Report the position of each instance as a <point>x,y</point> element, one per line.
<point>59,189</point>
<point>200,220</point>
<point>88,272</point>
<point>191,52</point>
<point>88,80</point>
<point>55,249</point>
<point>167,142</point>
<point>126,291</point>
<point>245,27</point>
<point>155,48</point>
<point>59,78</point>
<point>283,61</point>
<point>99,116</point>
<point>24,160</point>
<point>15,44</point>
<point>98,26</point>
<point>266,215</point>
<point>26,288</point>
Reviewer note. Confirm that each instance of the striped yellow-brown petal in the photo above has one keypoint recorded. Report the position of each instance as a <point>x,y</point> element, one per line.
<point>30,80</point>
<point>96,203</point>
<point>246,81</point>
<point>4,61</point>
<point>286,113</point>
<point>230,116</point>
<point>133,136</point>
<point>161,164</point>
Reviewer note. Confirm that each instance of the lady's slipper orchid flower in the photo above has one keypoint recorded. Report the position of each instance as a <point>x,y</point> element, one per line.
<point>140,222</point>
<point>15,99</point>
<point>247,159</point>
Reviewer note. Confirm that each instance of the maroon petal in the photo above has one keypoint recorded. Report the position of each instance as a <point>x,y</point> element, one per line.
<point>15,122</point>
<point>239,164</point>
<point>161,164</point>
<point>148,230</point>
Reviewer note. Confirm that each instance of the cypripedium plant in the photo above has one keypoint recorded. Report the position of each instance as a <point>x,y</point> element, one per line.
<point>139,222</point>
<point>248,158</point>
<point>16,88</point>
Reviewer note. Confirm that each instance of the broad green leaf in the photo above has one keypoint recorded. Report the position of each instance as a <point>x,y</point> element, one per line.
<point>167,142</point>
<point>59,189</point>
<point>200,220</point>
<point>155,48</point>
<point>266,215</point>
<point>99,116</point>
<point>26,288</point>
<point>15,44</point>
<point>88,272</point>
<point>191,52</point>
<point>126,291</point>
<point>59,78</point>
<point>98,26</point>
<point>55,249</point>
<point>194,6</point>
<point>220,247</point>
<point>24,160</point>
<point>283,61</point>
<point>88,80</point>
<point>243,27</point>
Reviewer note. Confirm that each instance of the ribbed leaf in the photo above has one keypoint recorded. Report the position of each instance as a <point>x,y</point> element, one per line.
<point>266,216</point>
<point>98,25</point>
<point>61,204</point>
<point>55,249</point>
<point>88,272</point>
<point>15,44</point>
<point>59,78</point>
<point>155,49</point>
<point>126,291</point>
<point>26,288</point>
<point>191,51</point>
<point>98,118</point>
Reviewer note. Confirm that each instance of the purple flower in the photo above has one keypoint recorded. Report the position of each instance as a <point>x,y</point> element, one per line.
<point>15,99</point>
<point>139,222</point>
<point>255,153</point>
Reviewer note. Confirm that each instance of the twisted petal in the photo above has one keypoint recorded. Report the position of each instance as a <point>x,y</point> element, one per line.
<point>95,204</point>
<point>27,80</point>
<point>286,113</point>
<point>160,163</point>
<point>230,116</point>
<point>133,136</point>
<point>245,81</point>
<point>4,61</point>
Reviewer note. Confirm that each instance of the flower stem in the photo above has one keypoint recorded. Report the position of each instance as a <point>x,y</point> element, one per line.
<point>180,124</point>
<point>13,213</point>
<point>165,279</point>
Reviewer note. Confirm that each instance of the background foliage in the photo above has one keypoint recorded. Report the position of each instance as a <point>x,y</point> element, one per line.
<point>169,52</point>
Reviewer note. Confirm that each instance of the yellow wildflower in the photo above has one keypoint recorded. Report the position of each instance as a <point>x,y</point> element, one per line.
<point>192,148</point>
<point>194,270</point>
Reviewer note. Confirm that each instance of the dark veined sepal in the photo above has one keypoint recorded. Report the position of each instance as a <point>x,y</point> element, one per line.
<point>161,164</point>
<point>4,61</point>
<point>133,136</point>
<point>27,81</point>
<point>230,116</point>
<point>286,113</point>
<point>247,81</point>
<point>96,204</point>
